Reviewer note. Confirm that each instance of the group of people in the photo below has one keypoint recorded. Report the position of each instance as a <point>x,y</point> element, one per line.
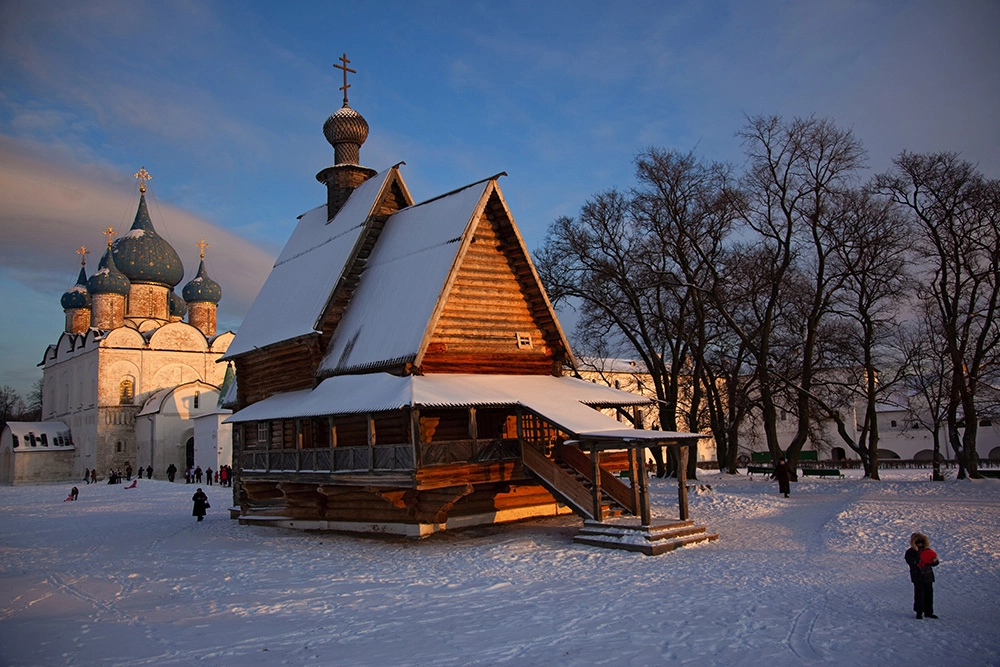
<point>90,476</point>
<point>223,476</point>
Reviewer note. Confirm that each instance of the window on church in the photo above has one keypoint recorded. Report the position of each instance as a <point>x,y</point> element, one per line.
<point>263,433</point>
<point>197,396</point>
<point>523,341</point>
<point>45,439</point>
<point>126,392</point>
<point>118,447</point>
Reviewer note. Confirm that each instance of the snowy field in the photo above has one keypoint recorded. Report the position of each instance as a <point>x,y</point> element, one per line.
<point>128,577</point>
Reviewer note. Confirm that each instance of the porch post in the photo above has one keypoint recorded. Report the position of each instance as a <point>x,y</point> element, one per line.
<point>682,489</point>
<point>595,489</point>
<point>633,473</point>
<point>644,511</point>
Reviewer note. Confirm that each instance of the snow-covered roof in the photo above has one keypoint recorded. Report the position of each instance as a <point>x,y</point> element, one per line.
<point>565,401</point>
<point>403,281</point>
<point>57,435</point>
<point>306,272</point>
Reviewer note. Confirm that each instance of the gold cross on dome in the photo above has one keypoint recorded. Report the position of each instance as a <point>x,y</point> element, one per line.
<point>143,176</point>
<point>83,252</point>
<point>110,233</point>
<point>201,244</point>
<point>343,59</point>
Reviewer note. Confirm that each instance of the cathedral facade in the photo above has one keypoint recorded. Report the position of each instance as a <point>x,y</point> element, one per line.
<point>135,355</point>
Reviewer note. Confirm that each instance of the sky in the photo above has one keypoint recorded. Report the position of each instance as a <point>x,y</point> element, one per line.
<point>224,102</point>
<point>128,577</point>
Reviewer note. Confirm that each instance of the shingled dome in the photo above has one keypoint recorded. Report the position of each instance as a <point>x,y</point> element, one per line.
<point>77,296</point>
<point>108,279</point>
<point>144,256</point>
<point>202,289</point>
<point>346,130</point>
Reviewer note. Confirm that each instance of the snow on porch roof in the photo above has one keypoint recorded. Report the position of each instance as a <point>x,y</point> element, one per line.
<point>564,401</point>
<point>306,272</point>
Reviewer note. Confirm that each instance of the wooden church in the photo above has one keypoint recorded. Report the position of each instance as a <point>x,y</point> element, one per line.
<point>402,371</point>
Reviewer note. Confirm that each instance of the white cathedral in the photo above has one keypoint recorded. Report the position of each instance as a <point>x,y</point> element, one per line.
<point>129,381</point>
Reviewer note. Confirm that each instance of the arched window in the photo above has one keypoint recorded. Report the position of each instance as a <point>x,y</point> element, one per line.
<point>119,447</point>
<point>197,396</point>
<point>126,392</point>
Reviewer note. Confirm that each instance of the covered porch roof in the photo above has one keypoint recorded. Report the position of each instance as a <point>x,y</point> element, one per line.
<point>566,402</point>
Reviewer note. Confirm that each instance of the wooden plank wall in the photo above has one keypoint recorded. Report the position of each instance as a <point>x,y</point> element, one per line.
<point>491,301</point>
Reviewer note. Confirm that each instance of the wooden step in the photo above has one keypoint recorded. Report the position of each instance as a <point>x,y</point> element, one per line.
<point>650,540</point>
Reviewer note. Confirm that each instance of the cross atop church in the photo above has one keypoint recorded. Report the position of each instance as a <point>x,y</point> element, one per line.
<point>201,244</point>
<point>143,176</point>
<point>83,252</point>
<point>110,233</point>
<point>343,59</point>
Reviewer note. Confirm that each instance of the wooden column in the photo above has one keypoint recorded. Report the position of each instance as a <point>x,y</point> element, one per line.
<point>682,489</point>
<point>595,490</point>
<point>633,472</point>
<point>415,435</point>
<point>645,513</point>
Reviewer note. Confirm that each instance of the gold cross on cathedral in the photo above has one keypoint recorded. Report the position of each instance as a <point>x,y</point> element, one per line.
<point>143,176</point>
<point>201,244</point>
<point>110,233</point>
<point>343,59</point>
<point>83,252</point>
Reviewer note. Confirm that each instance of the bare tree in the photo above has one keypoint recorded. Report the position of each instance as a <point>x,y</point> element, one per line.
<point>11,405</point>
<point>957,212</point>
<point>873,254</point>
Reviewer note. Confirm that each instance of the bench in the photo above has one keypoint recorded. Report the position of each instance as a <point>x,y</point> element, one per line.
<point>994,474</point>
<point>760,470</point>
<point>821,472</point>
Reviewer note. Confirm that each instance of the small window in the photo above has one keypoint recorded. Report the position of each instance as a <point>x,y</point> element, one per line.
<point>197,396</point>
<point>263,433</point>
<point>523,341</point>
<point>893,423</point>
<point>118,447</point>
<point>45,439</point>
<point>126,392</point>
<point>14,442</point>
<point>618,384</point>
<point>34,443</point>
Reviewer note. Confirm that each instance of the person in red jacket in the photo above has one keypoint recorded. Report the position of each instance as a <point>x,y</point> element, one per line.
<point>922,559</point>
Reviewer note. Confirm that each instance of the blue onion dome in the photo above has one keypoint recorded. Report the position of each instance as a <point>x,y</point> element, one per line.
<point>108,279</point>
<point>177,306</point>
<point>77,296</point>
<point>144,256</point>
<point>202,289</point>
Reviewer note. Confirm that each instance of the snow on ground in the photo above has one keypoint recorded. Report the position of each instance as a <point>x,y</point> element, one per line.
<point>128,577</point>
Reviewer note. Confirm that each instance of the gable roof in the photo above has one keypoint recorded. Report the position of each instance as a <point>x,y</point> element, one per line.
<point>405,285</point>
<point>319,252</point>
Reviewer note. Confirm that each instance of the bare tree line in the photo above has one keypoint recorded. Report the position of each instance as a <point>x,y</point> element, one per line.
<point>794,284</point>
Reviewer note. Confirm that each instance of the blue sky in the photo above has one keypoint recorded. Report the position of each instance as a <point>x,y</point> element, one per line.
<point>224,102</point>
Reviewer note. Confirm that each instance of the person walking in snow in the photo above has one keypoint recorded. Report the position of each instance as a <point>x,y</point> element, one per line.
<point>208,476</point>
<point>922,559</point>
<point>149,472</point>
<point>200,504</point>
<point>783,475</point>
<point>171,471</point>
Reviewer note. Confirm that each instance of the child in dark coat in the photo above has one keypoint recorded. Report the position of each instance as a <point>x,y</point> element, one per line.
<point>922,559</point>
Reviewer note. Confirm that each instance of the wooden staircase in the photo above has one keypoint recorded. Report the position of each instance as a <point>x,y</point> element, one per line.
<point>572,487</point>
<point>650,540</point>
